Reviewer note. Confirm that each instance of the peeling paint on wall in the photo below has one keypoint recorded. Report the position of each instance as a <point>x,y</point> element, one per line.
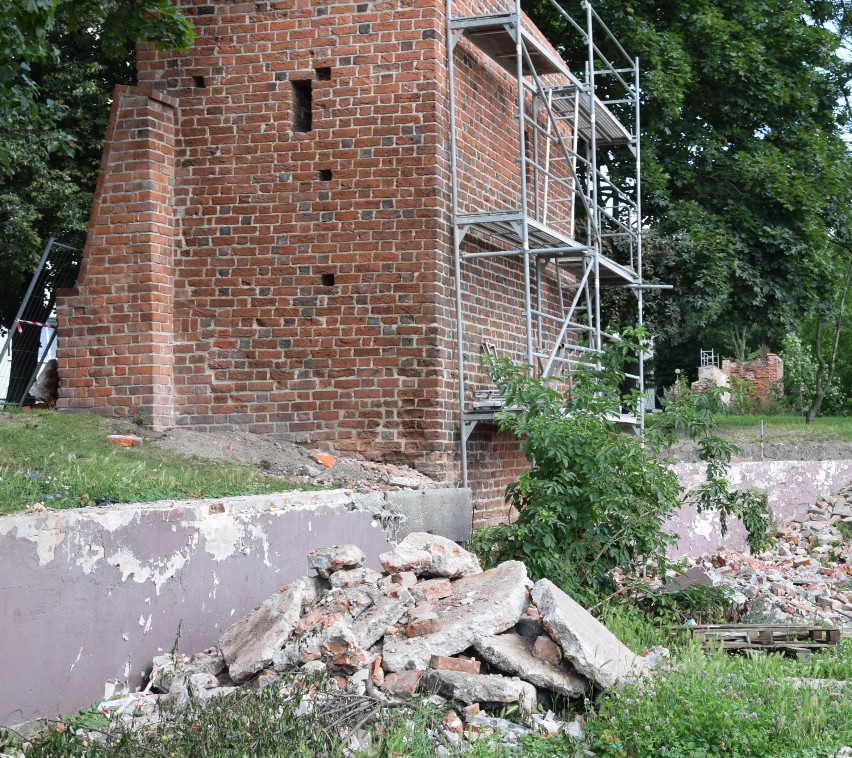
<point>126,577</point>
<point>790,487</point>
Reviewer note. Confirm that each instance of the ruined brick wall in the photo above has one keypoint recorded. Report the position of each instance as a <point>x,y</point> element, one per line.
<point>763,377</point>
<point>293,274</point>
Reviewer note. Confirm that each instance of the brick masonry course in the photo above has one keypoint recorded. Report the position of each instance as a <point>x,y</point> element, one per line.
<point>250,267</point>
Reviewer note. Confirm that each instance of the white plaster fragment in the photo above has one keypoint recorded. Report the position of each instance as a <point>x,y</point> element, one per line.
<point>89,557</point>
<point>112,519</point>
<point>257,532</point>
<point>76,660</point>
<point>702,525</point>
<point>159,572</point>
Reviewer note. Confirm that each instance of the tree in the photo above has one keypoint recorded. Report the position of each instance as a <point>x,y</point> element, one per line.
<point>825,371</point>
<point>746,174</point>
<point>59,63</point>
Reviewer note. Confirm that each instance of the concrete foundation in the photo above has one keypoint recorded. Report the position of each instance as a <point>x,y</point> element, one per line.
<point>90,596</point>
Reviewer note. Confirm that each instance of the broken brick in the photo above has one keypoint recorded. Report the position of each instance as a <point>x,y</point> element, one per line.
<point>443,663</point>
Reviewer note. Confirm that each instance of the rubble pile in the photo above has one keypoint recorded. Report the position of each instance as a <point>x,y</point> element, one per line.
<point>432,622</point>
<point>805,577</point>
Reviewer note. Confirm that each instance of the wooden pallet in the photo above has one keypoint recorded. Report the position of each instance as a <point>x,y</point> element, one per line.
<point>763,636</point>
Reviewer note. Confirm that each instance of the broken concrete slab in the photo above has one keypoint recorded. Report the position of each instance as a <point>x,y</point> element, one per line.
<point>431,589</point>
<point>385,611</point>
<point>327,560</point>
<point>590,648</point>
<point>405,559</point>
<point>447,558</point>
<point>353,577</point>
<point>512,654</point>
<point>250,644</point>
<point>486,603</point>
<point>479,688</point>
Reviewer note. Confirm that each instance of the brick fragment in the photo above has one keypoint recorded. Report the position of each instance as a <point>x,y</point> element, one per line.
<point>545,649</point>
<point>428,623</point>
<point>431,589</point>
<point>124,440</point>
<point>402,682</point>
<point>444,663</point>
<point>452,722</point>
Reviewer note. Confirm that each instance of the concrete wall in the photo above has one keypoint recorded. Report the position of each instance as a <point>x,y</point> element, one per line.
<point>90,596</point>
<point>791,486</point>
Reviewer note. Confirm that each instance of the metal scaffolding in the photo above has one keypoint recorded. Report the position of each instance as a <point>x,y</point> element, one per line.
<point>571,220</point>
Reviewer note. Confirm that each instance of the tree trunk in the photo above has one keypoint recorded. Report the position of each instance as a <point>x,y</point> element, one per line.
<point>823,383</point>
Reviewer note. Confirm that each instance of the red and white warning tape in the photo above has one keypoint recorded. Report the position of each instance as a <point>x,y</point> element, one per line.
<point>19,321</point>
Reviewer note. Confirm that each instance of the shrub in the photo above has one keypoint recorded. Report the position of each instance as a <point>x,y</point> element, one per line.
<point>595,497</point>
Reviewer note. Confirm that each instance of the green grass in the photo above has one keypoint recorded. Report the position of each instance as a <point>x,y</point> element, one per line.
<point>714,704</point>
<point>64,461</point>
<point>827,429</point>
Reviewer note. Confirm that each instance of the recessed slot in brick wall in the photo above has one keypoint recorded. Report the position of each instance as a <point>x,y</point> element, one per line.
<point>303,105</point>
<point>324,175</point>
<point>323,73</point>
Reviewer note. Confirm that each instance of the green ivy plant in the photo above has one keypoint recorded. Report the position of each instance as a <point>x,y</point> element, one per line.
<point>596,497</point>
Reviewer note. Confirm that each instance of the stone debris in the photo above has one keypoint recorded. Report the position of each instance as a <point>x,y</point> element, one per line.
<point>591,649</point>
<point>326,560</point>
<point>487,603</point>
<point>437,626</point>
<point>803,578</point>
<point>479,688</point>
<point>250,644</point>
<point>513,654</point>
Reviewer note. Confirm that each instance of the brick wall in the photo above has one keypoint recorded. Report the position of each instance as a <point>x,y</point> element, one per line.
<point>762,376</point>
<point>293,276</point>
<point>117,328</point>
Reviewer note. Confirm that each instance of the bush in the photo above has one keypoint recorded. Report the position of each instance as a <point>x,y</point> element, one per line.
<point>597,498</point>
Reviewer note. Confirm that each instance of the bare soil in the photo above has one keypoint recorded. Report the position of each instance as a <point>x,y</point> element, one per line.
<point>285,459</point>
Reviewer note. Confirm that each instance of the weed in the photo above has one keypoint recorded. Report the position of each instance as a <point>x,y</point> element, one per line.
<point>714,704</point>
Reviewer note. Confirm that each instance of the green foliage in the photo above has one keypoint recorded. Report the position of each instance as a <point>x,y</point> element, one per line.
<point>597,498</point>
<point>746,175</point>
<point>709,705</point>
<point>59,63</point>
<point>692,414</point>
<point>301,719</point>
<point>675,604</point>
<point>63,461</point>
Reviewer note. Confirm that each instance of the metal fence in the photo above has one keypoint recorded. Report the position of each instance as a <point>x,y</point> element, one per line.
<point>31,337</point>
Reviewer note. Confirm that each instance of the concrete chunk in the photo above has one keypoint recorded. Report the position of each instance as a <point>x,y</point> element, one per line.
<point>590,648</point>
<point>327,560</point>
<point>512,653</point>
<point>385,611</point>
<point>250,644</point>
<point>479,688</point>
<point>447,558</point>
<point>405,559</point>
<point>485,603</point>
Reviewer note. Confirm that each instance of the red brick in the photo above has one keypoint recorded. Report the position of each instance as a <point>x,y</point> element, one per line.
<point>465,665</point>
